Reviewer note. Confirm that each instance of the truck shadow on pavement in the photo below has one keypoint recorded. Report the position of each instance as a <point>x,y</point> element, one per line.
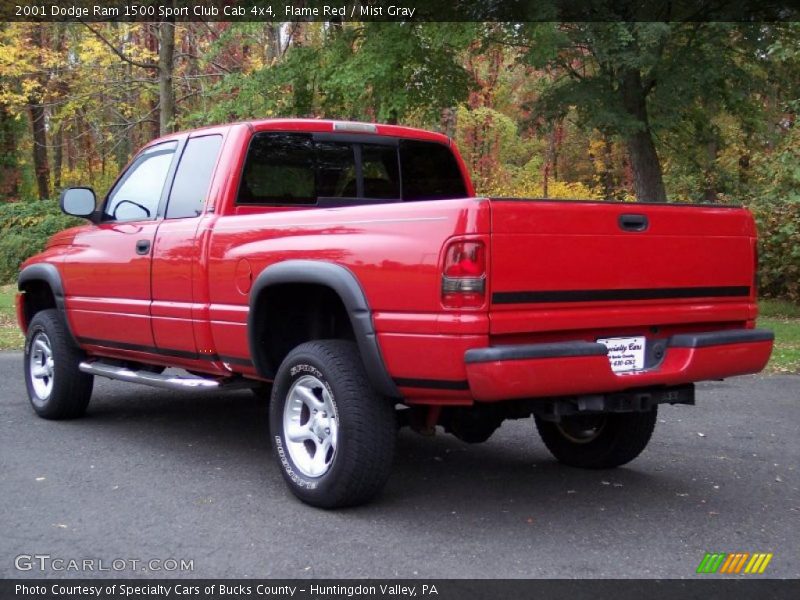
<point>511,472</point>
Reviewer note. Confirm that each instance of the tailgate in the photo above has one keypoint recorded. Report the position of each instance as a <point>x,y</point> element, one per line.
<point>570,265</point>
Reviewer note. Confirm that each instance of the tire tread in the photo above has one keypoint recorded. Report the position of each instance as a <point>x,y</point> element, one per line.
<point>361,409</point>
<point>72,388</point>
<point>625,437</point>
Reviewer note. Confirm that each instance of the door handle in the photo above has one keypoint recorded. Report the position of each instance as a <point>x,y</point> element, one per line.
<point>633,222</point>
<point>143,247</point>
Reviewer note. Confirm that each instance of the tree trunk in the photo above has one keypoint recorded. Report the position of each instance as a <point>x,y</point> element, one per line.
<point>41,168</point>
<point>152,125</point>
<point>710,191</point>
<point>608,168</point>
<point>166,93</point>
<point>123,145</point>
<point>40,165</point>
<point>9,169</point>
<point>273,49</point>
<point>647,180</point>
<point>58,141</point>
<point>61,92</point>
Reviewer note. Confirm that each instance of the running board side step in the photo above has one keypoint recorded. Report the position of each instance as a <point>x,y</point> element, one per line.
<point>159,380</point>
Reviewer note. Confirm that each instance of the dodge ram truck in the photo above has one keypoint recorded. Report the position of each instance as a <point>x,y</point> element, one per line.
<point>347,273</point>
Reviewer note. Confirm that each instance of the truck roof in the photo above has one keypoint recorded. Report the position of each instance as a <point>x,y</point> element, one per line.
<point>322,125</point>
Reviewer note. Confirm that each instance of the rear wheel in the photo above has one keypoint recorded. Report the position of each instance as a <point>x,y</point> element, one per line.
<point>598,441</point>
<point>56,387</point>
<point>333,434</point>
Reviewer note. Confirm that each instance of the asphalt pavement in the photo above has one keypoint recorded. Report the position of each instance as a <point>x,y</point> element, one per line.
<point>155,475</point>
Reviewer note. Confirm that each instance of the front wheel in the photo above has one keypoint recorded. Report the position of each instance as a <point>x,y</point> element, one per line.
<point>598,441</point>
<point>56,387</point>
<point>333,435</point>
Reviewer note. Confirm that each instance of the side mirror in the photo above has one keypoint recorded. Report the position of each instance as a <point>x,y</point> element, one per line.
<point>78,202</point>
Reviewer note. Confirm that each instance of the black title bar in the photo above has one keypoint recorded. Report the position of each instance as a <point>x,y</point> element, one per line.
<point>401,10</point>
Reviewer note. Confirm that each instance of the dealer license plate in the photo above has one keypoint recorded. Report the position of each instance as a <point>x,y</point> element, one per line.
<point>625,353</point>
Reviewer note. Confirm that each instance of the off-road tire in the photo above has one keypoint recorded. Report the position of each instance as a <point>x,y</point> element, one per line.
<point>622,438</point>
<point>66,392</point>
<point>365,425</point>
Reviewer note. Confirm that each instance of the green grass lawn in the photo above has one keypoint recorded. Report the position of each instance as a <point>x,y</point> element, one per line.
<point>10,335</point>
<point>782,317</point>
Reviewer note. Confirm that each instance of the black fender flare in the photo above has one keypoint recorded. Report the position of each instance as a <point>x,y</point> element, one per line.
<point>344,283</point>
<point>49,274</point>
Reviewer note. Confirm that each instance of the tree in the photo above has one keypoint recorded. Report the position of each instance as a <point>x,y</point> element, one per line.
<point>9,161</point>
<point>389,72</point>
<point>635,79</point>
<point>163,68</point>
<point>25,66</point>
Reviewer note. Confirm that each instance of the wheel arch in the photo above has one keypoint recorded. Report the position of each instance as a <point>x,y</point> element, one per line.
<point>343,283</point>
<point>43,289</point>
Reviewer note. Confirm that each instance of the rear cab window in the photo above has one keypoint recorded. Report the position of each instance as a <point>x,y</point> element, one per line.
<point>304,169</point>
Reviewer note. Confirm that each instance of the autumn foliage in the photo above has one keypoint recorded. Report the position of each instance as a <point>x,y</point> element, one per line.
<point>689,112</point>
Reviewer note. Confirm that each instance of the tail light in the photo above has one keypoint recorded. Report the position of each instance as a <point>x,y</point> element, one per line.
<point>464,275</point>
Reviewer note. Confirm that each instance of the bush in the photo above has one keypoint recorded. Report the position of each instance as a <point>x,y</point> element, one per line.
<point>24,229</point>
<point>779,249</point>
<point>522,183</point>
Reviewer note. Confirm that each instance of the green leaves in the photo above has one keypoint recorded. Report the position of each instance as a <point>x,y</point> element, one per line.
<point>373,71</point>
<point>24,230</point>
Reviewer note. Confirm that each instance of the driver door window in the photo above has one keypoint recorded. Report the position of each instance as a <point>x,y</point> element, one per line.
<point>138,193</point>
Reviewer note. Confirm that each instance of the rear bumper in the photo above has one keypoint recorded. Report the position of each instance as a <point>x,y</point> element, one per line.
<point>579,367</point>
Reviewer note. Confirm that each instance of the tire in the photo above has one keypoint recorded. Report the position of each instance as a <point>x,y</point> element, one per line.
<point>599,441</point>
<point>354,426</point>
<point>57,389</point>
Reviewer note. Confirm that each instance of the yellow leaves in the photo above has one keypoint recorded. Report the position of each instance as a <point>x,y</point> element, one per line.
<point>128,38</point>
<point>31,88</point>
<point>8,57</point>
<point>21,65</point>
<point>92,51</point>
<point>526,185</point>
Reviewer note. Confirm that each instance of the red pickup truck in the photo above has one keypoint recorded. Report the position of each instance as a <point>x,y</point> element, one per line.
<point>349,267</point>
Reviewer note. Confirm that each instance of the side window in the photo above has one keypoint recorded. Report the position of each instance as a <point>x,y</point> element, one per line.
<point>138,192</point>
<point>279,169</point>
<point>193,176</point>
<point>430,172</point>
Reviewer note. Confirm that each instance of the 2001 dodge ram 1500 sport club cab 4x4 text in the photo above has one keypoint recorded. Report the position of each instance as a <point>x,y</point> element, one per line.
<point>350,266</point>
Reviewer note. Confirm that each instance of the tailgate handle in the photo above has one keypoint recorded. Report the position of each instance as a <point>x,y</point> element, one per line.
<point>633,222</point>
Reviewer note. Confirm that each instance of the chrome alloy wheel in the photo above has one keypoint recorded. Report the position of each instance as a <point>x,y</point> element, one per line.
<point>42,367</point>
<point>310,426</point>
